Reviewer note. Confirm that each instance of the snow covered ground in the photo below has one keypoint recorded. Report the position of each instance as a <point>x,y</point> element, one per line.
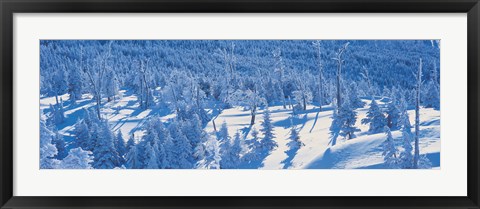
<point>363,152</point>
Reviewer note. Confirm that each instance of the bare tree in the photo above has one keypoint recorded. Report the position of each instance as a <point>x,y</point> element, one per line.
<point>280,68</point>
<point>230,61</point>
<point>96,76</point>
<point>416,155</point>
<point>317,46</point>
<point>340,61</point>
<point>145,86</point>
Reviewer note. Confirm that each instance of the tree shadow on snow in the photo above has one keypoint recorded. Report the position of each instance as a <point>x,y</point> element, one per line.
<point>291,154</point>
<point>256,162</point>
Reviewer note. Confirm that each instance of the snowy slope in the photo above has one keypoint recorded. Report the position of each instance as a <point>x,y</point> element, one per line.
<point>363,152</point>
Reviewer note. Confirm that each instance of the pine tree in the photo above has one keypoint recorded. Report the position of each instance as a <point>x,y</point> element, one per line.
<point>347,117</point>
<point>268,142</point>
<point>47,149</point>
<point>254,147</point>
<point>375,118</point>
<point>119,144</point>
<point>160,154</point>
<point>416,154</point>
<point>60,145</point>
<point>151,161</point>
<point>393,115</point>
<point>389,150</point>
<point>255,139</point>
<point>431,94</point>
<point>132,158</point>
<point>82,135</point>
<point>406,157</point>
<point>213,156</point>
<point>182,149</point>
<point>169,148</point>
<point>295,142</point>
<point>130,143</point>
<point>424,162</point>
<point>235,150</point>
<point>106,156</point>
<point>353,98</point>
<point>57,116</point>
<point>75,81</point>
<point>250,99</point>
<point>222,134</point>
<point>77,158</point>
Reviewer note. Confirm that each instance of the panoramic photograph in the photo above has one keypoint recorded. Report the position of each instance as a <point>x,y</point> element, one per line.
<point>239,104</point>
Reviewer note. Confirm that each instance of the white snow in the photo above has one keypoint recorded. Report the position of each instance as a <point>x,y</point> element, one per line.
<point>125,115</point>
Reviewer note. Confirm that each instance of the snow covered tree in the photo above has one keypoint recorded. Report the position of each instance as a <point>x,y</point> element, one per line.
<point>47,149</point>
<point>393,115</point>
<point>346,119</point>
<point>303,96</point>
<point>212,156</point>
<point>58,81</point>
<point>230,63</point>
<point>268,142</point>
<point>111,85</point>
<point>60,145</point>
<point>57,113</point>
<point>295,142</point>
<point>77,158</point>
<point>389,150</point>
<point>406,157</point>
<point>222,134</point>
<point>232,150</point>
<point>151,161</point>
<point>169,149</point>
<point>352,93</point>
<point>375,118</point>
<point>280,71</point>
<point>144,87</point>
<point>82,135</point>
<point>133,160</point>
<point>338,58</point>
<point>130,143</point>
<point>120,146</point>
<point>416,155</point>
<point>161,154</point>
<point>182,149</point>
<point>75,82</point>
<point>431,94</point>
<point>424,162</point>
<point>254,147</point>
<point>249,99</point>
<point>317,46</point>
<point>105,154</point>
<point>96,74</point>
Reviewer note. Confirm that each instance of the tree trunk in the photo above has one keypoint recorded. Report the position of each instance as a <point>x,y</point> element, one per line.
<point>253,120</point>
<point>339,102</point>
<point>320,98</point>
<point>214,126</point>
<point>290,104</point>
<point>98,106</point>
<point>253,113</point>
<point>304,103</point>
<point>417,117</point>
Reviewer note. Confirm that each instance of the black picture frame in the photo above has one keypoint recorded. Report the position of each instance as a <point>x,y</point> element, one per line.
<point>9,7</point>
